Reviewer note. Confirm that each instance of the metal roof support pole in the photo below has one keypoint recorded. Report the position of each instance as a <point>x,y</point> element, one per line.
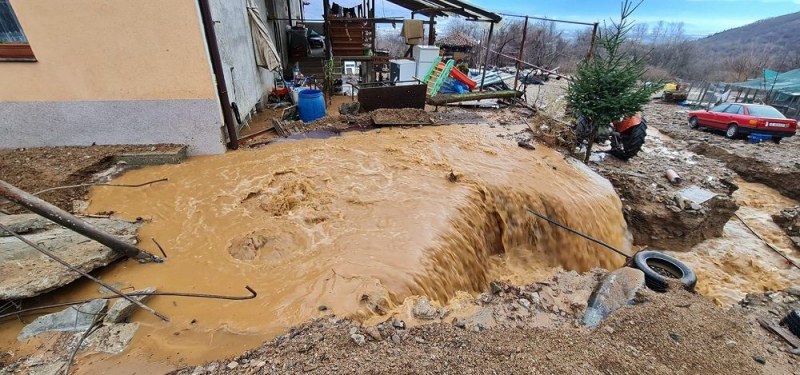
<point>521,52</point>
<point>486,58</point>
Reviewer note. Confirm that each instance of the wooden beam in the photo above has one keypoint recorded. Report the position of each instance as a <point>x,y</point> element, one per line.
<point>478,95</point>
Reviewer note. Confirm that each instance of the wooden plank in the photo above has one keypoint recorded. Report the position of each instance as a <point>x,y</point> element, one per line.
<point>780,331</point>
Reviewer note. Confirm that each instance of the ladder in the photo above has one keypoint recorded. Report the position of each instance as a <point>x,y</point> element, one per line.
<point>436,76</point>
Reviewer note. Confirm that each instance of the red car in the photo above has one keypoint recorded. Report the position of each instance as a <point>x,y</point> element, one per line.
<point>738,119</point>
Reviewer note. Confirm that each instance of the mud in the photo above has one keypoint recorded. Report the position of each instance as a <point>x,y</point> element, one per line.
<point>355,223</point>
<point>662,334</point>
<point>774,165</point>
<point>738,262</point>
<point>35,169</point>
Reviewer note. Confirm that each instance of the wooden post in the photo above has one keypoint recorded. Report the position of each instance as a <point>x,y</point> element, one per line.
<point>521,52</point>
<point>432,31</point>
<point>486,56</point>
<point>67,220</point>
<point>594,38</point>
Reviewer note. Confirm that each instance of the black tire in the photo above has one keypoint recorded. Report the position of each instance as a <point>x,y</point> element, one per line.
<point>733,131</point>
<point>693,122</point>
<point>632,141</point>
<point>661,269</point>
<point>777,140</point>
<point>792,321</point>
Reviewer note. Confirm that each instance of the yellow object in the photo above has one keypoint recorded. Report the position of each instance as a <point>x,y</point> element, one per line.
<point>671,87</point>
<point>412,31</point>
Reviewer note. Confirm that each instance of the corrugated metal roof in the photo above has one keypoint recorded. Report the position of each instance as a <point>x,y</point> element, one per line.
<point>453,7</point>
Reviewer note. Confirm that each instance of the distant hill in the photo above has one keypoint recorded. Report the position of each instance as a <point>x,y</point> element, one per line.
<point>777,35</point>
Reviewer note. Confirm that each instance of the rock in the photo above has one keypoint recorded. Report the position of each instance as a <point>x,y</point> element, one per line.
<point>71,319</point>
<point>396,338</point>
<point>730,343</point>
<point>494,286</point>
<point>122,309</point>
<point>232,365</point>
<point>609,329</point>
<point>114,338</point>
<point>419,340</point>
<point>679,201</point>
<point>535,298</point>
<point>351,108</point>
<point>760,359</point>
<point>524,303</point>
<point>423,310</point>
<point>675,337</point>
<point>793,290</point>
<point>617,289</point>
<point>322,308</point>
<point>695,206</point>
<point>358,339</point>
<point>795,351</point>
<point>353,330</point>
<point>374,333</point>
<point>24,273</point>
<point>399,324</point>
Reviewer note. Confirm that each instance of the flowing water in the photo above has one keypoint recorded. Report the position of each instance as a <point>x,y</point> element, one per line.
<point>738,263</point>
<point>356,223</point>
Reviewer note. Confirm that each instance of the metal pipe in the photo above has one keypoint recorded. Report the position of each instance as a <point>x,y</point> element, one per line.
<point>521,52</point>
<point>529,64</point>
<point>486,59</point>
<point>573,231</point>
<point>82,273</point>
<point>67,220</point>
<point>219,75</point>
<point>549,19</point>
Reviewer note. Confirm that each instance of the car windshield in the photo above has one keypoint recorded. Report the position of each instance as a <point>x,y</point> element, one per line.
<point>719,108</point>
<point>765,111</point>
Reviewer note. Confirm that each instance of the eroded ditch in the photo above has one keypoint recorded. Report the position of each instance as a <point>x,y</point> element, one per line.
<point>351,225</point>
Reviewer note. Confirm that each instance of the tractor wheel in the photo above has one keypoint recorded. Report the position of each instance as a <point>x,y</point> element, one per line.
<point>632,141</point>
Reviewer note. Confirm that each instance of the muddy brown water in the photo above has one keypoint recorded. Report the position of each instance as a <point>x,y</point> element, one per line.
<point>356,223</point>
<point>738,263</point>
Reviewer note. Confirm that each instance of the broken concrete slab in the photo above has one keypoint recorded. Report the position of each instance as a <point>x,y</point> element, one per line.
<point>174,155</point>
<point>617,289</point>
<point>112,339</point>
<point>122,309</point>
<point>28,273</point>
<point>72,319</point>
<point>24,223</point>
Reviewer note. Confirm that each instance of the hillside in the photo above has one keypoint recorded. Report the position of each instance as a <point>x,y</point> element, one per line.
<point>777,35</point>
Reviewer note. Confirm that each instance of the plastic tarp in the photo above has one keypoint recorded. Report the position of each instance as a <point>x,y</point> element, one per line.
<point>786,83</point>
<point>266,54</point>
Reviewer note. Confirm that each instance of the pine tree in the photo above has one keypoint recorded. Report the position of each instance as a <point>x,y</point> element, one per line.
<point>607,86</point>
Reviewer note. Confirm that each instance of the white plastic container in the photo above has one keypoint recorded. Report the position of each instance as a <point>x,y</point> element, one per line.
<point>403,70</point>
<point>424,56</point>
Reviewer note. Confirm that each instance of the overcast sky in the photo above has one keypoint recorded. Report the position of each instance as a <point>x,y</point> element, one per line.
<point>700,17</point>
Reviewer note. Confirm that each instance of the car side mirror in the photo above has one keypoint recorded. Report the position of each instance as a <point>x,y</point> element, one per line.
<point>706,109</point>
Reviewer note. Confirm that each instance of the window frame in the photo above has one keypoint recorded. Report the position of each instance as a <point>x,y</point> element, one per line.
<point>16,51</point>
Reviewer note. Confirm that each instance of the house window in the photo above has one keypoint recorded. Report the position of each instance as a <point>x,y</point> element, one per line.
<point>13,43</point>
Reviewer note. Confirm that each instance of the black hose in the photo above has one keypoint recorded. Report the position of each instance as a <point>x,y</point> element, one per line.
<point>562,226</point>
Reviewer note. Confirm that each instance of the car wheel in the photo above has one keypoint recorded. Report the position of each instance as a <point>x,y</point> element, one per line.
<point>733,131</point>
<point>777,140</point>
<point>693,123</point>
<point>660,270</point>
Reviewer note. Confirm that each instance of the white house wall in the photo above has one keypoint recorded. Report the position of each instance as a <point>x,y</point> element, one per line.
<point>247,83</point>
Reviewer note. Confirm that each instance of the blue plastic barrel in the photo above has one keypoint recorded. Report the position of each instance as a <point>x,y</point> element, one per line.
<point>311,105</point>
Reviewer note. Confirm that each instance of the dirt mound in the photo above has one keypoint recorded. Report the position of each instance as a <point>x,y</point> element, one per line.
<point>669,333</point>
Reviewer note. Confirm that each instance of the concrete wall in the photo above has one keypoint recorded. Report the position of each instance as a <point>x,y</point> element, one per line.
<point>247,83</point>
<point>111,72</point>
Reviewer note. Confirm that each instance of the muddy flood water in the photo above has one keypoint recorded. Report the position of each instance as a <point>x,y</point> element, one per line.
<point>356,224</point>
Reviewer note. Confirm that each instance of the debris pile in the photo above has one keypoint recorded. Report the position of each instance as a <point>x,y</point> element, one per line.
<point>789,220</point>
<point>535,328</point>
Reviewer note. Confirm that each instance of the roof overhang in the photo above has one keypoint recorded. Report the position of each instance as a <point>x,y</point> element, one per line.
<point>444,8</point>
